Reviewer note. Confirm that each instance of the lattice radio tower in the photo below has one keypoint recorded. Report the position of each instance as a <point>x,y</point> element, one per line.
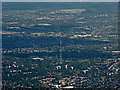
<point>60,50</point>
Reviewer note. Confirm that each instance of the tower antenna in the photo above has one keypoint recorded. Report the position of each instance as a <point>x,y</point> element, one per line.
<point>60,49</point>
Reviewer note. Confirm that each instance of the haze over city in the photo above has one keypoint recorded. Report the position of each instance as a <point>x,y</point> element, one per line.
<point>59,0</point>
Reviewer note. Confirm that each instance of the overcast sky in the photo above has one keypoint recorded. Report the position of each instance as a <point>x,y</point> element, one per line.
<point>59,0</point>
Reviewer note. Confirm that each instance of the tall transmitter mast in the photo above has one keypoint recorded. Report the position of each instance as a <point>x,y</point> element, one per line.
<point>60,50</point>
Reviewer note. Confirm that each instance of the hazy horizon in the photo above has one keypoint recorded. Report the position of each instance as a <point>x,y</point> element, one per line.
<point>59,1</point>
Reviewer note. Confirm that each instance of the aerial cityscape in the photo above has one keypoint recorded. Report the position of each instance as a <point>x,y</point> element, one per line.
<point>60,45</point>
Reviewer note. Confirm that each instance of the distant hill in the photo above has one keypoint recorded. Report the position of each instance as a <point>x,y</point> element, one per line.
<point>57,5</point>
